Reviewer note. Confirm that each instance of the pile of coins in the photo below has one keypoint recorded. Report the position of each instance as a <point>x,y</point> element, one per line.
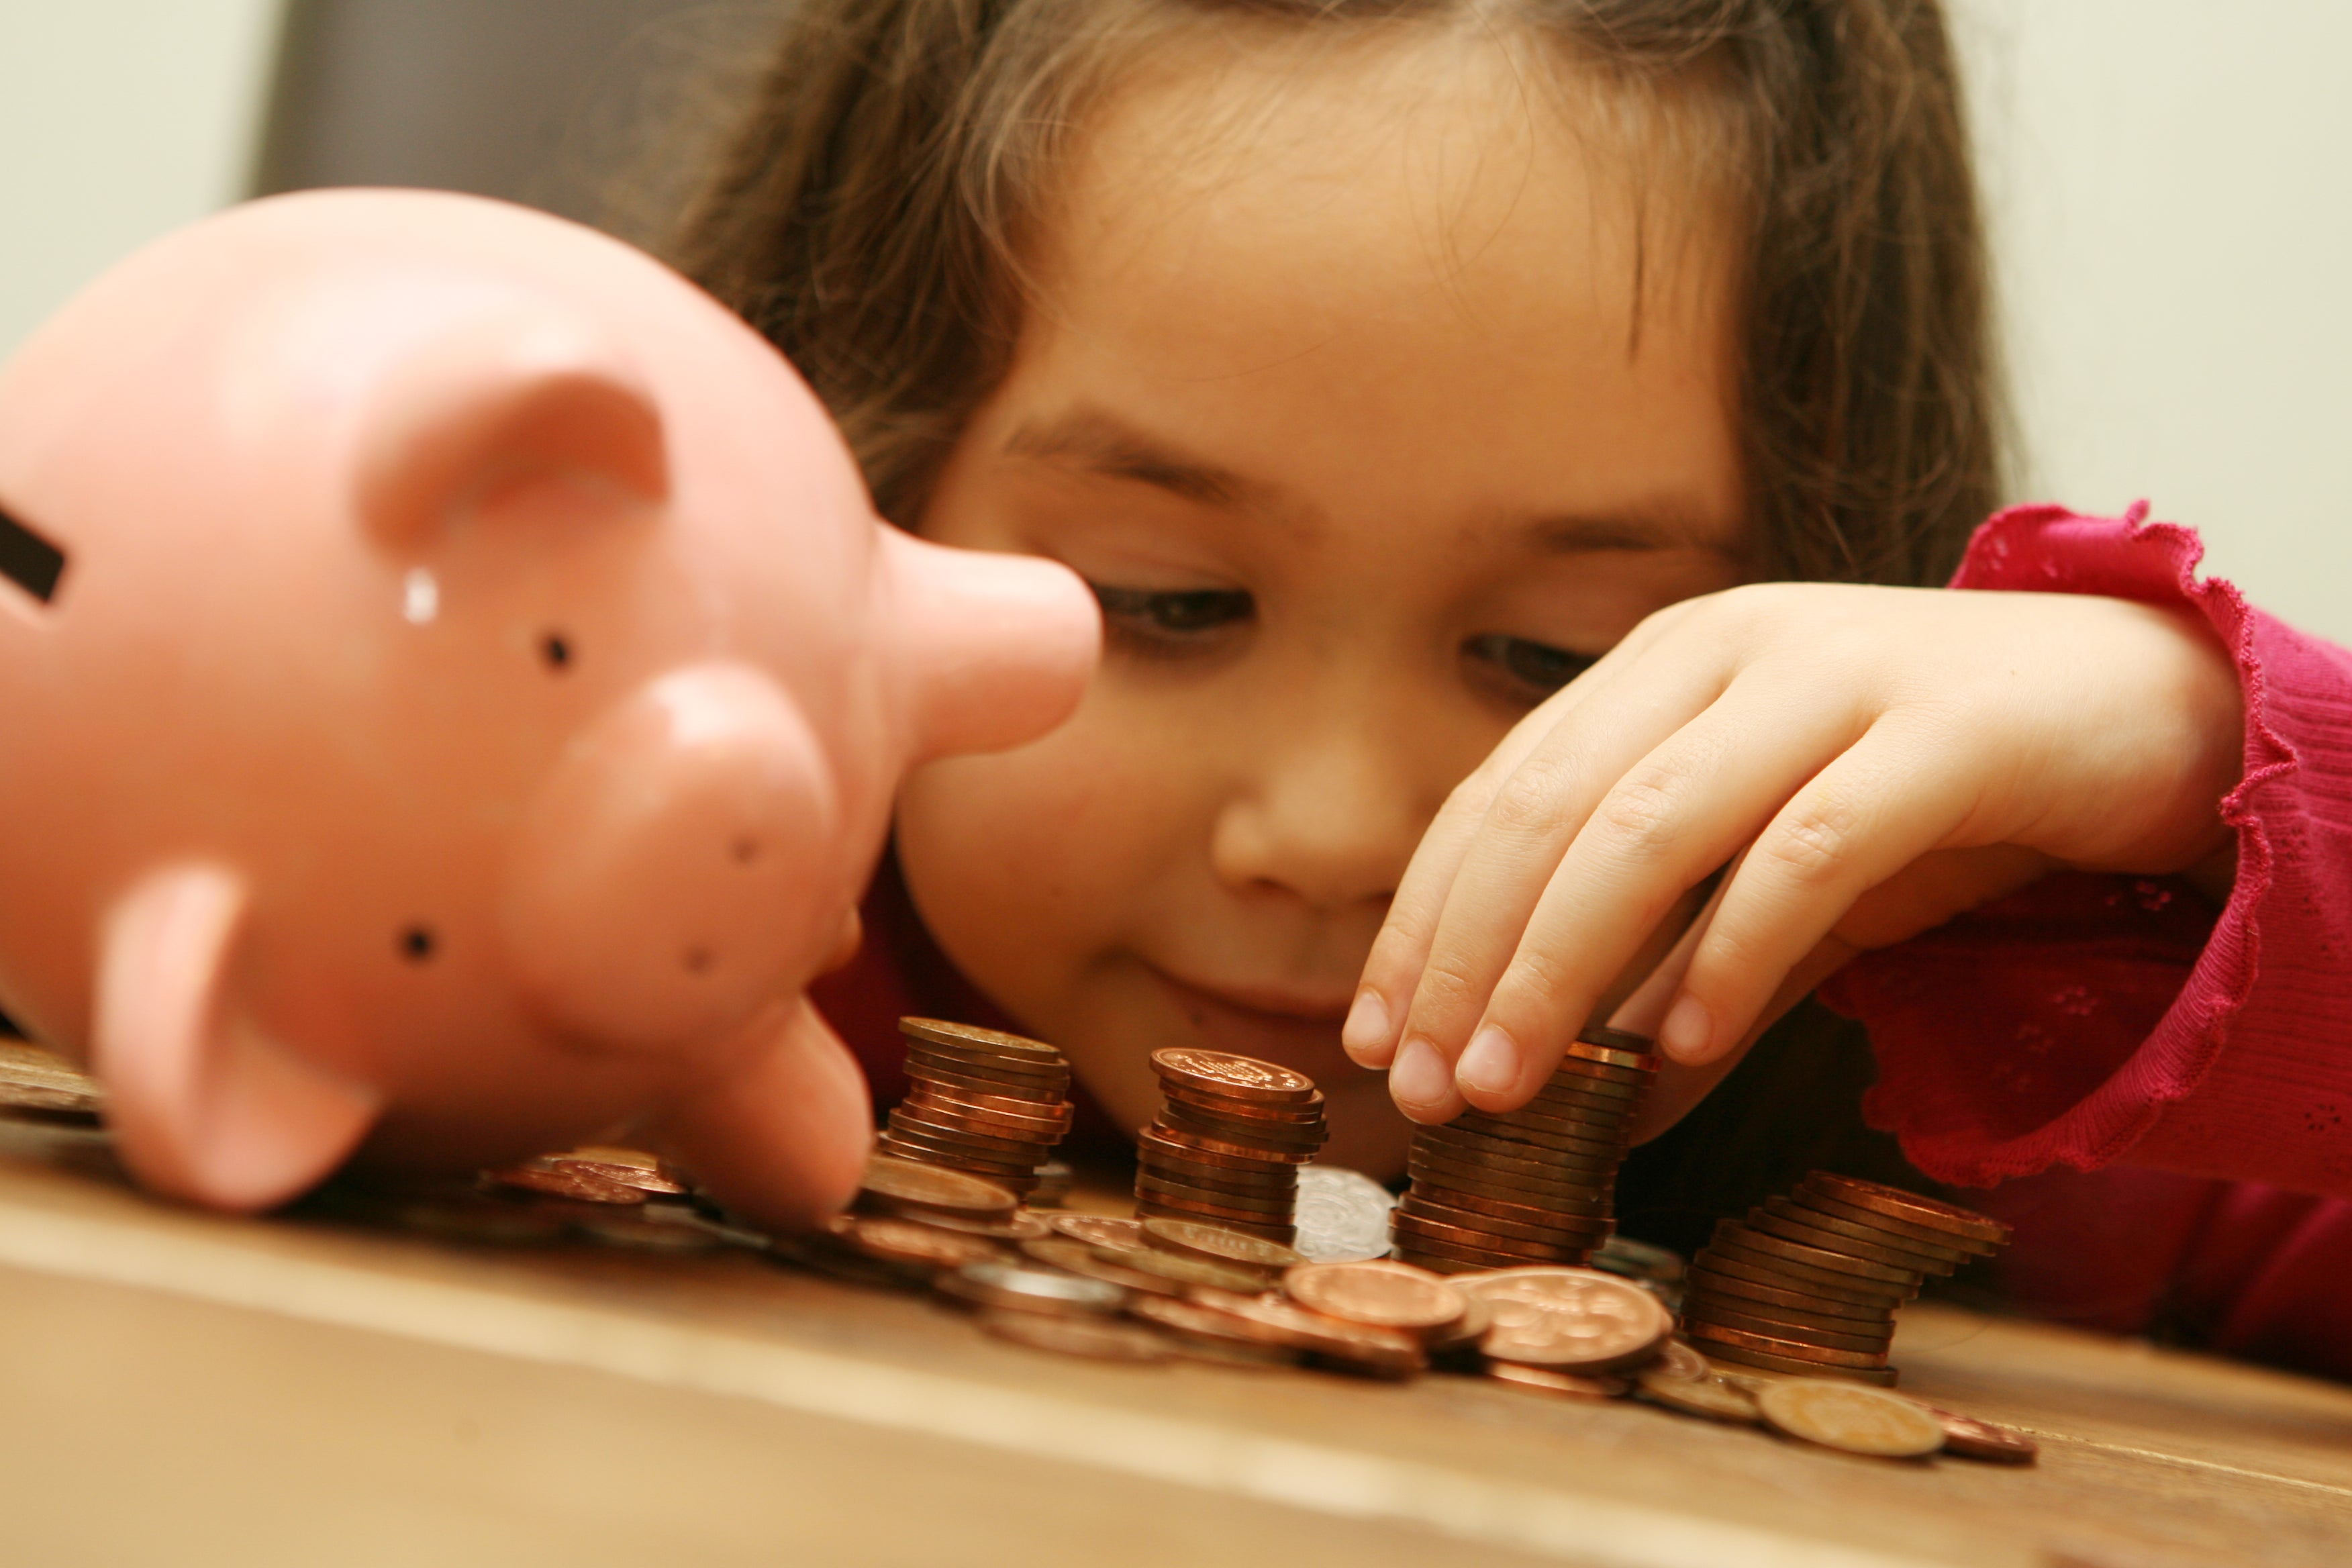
<point>1227,1147</point>
<point>1532,1185</point>
<point>984,1102</point>
<point>1810,1283</point>
<point>1157,1289</point>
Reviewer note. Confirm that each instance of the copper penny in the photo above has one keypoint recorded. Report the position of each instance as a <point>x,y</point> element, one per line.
<point>991,1118</point>
<point>1218,1243</point>
<point>1857,1293</point>
<point>1020,1288</point>
<point>1283,1184</point>
<point>553,1180</point>
<point>1268,1208</point>
<point>955,1036</point>
<point>1706,1395</point>
<point>1612,1051</point>
<point>1950,1251</point>
<point>1185,1267</point>
<point>1092,1338</point>
<point>1708,1335</point>
<point>1518,1210</point>
<point>1435,1171</point>
<point>1729,1288</point>
<point>1078,1258</point>
<point>1973,1439</point>
<point>1551,1380</point>
<point>1199,1144</point>
<point>1810,1333</point>
<point>1797,1230</point>
<point>1576,1319</point>
<point>1391,1352</point>
<point>896,1240</point>
<point>1417,1227</point>
<point>1735,1232</point>
<point>921,1148</point>
<point>630,1167</point>
<point>1715,1303</point>
<point>1464,1332</point>
<point>1018,1225</point>
<point>1430,1204</point>
<point>1787,1367</point>
<point>1195,1322</point>
<point>1591,1145</point>
<point>1158,1143</point>
<point>1856,1420</point>
<point>903,1182</point>
<point>1902,1230</point>
<point>1910,1207</point>
<point>945,1126</point>
<point>1307,1113</point>
<point>1386,1295</point>
<point>1573,1163</point>
<point>1097,1229</point>
<point>1221,1072</point>
<point>1784,1258</point>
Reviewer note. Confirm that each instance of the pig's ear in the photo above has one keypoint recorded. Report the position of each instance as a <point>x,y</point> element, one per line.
<point>499,401</point>
<point>205,1106</point>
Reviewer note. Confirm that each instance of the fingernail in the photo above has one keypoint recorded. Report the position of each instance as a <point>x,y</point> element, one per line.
<point>1418,1077</point>
<point>1687,1031</point>
<point>1491,1065</point>
<point>1367,1028</point>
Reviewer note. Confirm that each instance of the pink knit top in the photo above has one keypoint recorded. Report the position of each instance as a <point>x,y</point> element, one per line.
<point>2172,1084</point>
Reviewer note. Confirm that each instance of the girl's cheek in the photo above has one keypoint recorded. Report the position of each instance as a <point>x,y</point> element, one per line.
<point>1028,865</point>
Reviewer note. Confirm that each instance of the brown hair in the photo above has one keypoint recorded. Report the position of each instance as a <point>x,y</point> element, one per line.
<point>868,216</point>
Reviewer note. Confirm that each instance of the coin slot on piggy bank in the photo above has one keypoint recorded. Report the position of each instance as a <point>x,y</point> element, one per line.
<point>29,560</point>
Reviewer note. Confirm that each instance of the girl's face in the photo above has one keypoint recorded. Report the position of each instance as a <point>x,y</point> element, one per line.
<point>1374,415</point>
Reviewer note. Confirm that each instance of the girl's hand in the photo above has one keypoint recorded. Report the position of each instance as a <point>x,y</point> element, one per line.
<point>1886,757</point>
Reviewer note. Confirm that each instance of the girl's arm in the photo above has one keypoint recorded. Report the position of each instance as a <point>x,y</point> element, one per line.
<point>2091,1019</point>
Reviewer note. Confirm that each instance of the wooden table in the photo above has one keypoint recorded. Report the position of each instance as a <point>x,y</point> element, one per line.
<point>182,1388</point>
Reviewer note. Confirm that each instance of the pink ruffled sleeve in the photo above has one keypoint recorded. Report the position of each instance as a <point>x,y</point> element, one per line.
<point>2089,1020</point>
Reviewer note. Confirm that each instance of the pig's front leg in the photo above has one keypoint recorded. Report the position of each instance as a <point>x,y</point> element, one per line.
<point>783,1137</point>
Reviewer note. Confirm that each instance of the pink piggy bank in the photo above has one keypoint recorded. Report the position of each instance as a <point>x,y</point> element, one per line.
<point>453,683</point>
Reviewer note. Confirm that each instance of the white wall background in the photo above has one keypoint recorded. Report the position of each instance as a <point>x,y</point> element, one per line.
<point>118,120</point>
<point>2167,179</point>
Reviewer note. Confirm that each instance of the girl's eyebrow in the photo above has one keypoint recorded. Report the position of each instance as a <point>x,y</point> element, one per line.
<point>1101,444</point>
<point>1660,527</point>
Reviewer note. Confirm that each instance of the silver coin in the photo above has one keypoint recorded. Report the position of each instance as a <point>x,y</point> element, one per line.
<point>1342,1216</point>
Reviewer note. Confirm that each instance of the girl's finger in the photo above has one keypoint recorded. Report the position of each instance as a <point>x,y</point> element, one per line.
<point>1893,798</point>
<point>1400,950</point>
<point>1676,816</point>
<point>1529,824</point>
<point>1377,1016</point>
<point>1679,1087</point>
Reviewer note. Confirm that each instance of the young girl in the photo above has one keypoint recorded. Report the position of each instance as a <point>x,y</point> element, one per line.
<point>1514,443</point>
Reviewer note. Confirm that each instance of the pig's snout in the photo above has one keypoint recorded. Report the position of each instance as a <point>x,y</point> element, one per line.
<point>676,869</point>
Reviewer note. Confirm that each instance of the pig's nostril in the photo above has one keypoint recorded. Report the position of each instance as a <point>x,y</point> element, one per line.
<point>556,649</point>
<point>698,961</point>
<point>417,944</point>
<point>744,850</point>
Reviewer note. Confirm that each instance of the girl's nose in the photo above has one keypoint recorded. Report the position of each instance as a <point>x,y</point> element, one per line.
<point>1330,813</point>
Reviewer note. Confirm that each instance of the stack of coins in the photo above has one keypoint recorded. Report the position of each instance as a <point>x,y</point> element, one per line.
<point>985,1103</point>
<point>1808,1284</point>
<point>1227,1147</point>
<point>1533,1185</point>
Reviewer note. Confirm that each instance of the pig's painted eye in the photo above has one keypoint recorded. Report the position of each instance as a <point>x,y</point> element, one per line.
<point>28,560</point>
<point>418,944</point>
<point>556,649</point>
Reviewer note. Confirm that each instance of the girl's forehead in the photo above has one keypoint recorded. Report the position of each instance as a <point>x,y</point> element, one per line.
<point>1436,285</point>
<point>1342,169</point>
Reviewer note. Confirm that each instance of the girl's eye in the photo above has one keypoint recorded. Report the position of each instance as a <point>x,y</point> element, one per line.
<point>1170,619</point>
<point>1532,670</point>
